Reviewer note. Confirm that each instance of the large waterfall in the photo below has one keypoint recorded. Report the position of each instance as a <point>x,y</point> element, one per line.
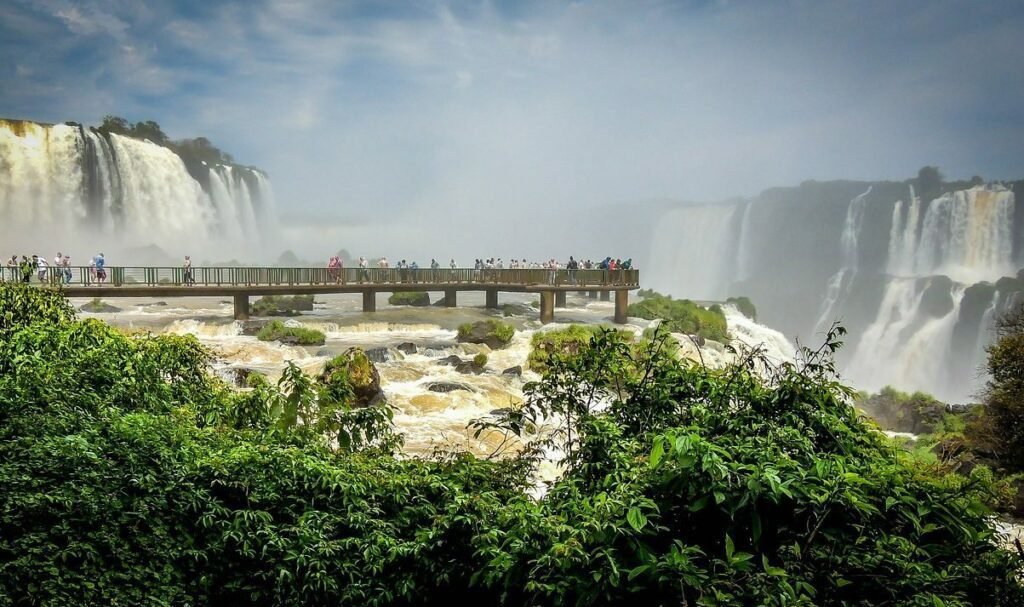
<point>71,187</point>
<point>918,278</point>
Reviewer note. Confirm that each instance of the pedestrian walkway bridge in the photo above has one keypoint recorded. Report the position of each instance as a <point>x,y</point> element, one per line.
<point>244,282</point>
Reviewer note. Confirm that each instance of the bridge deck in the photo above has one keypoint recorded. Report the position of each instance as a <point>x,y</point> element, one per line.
<point>242,282</point>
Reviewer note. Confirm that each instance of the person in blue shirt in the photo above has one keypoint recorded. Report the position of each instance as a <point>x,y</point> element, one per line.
<point>101,272</point>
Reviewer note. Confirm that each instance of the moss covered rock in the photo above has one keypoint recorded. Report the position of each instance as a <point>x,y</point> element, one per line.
<point>494,333</point>
<point>353,370</point>
<point>683,316</point>
<point>282,305</point>
<point>98,306</point>
<point>409,298</point>
<point>563,342</point>
<point>292,336</point>
<point>745,306</point>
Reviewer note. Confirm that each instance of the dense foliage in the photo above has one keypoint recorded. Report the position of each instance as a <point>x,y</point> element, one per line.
<point>564,342</point>
<point>682,316</point>
<point>1000,430</point>
<point>199,149</point>
<point>133,477</point>
<point>303,336</point>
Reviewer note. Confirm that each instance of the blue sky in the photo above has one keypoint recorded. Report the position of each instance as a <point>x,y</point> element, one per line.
<point>420,109</point>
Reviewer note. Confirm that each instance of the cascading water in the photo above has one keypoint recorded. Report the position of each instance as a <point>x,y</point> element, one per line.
<point>693,251</point>
<point>839,283</point>
<point>966,235</point>
<point>63,183</point>
<point>906,346</point>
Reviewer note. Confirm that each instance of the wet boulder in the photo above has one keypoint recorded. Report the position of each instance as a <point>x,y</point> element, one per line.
<point>407,348</point>
<point>516,371</point>
<point>353,371</point>
<point>494,333</point>
<point>98,306</point>
<point>445,387</point>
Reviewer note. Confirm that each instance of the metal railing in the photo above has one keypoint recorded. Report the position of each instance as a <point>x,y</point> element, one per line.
<point>117,276</point>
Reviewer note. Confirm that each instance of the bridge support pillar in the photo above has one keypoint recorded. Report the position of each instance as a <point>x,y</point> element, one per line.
<point>559,299</point>
<point>621,303</point>
<point>492,298</point>
<point>449,298</point>
<point>606,296</point>
<point>242,307</point>
<point>592,294</point>
<point>547,306</point>
<point>369,300</point>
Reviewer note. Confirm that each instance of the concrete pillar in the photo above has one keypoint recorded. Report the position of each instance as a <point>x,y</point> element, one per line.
<point>581,293</point>
<point>547,306</point>
<point>592,294</point>
<point>369,300</point>
<point>449,298</point>
<point>559,299</point>
<point>606,296</point>
<point>492,298</point>
<point>242,306</point>
<point>621,303</point>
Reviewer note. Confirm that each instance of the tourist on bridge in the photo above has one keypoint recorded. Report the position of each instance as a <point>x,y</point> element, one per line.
<point>572,266</point>
<point>364,274</point>
<point>100,264</point>
<point>41,267</point>
<point>26,270</point>
<point>187,270</point>
<point>65,264</point>
<point>12,267</point>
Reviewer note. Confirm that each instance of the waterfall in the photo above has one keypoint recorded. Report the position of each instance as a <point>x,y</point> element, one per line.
<point>839,283</point>
<point>743,254</point>
<point>904,346</point>
<point>69,184</point>
<point>967,235</point>
<point>903,235</point>
<point>693,252</point>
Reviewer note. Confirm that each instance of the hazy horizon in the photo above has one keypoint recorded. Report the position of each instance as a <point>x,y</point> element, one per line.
<point>359,110</point>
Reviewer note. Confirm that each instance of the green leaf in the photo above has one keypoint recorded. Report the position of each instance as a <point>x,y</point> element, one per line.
<point>636,518</point>
<point>657,452</point>
<point>730,548</point>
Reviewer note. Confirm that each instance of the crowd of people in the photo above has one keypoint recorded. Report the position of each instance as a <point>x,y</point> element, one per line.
<point>483,269</point>
<point>60,272</point>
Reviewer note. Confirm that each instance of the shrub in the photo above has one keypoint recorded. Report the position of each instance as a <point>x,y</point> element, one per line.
<point>683,316</point>
<point>744,305</point>
<point>564,342</point>
<point>494,333</point>
<point>303,336</point>
<point>409,298</point>
<point>480,360</point>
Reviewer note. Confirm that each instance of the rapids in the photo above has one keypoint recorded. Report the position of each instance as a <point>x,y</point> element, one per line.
<point>429,420</point>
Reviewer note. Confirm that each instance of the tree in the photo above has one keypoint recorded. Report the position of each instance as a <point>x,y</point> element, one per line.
<point>1000,429</point>
<point>929,182</point>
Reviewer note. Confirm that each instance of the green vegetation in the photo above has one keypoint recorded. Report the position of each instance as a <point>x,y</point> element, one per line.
<point>682,316</point>
<point>131,476</point>
<point>494,333</point>
<point>917,413</point>
<point>480,360</point>
<point>409,298</point>
<point>98,306</point>
<point>300,336</point>
<point>744,305</point>
<point>999,431</point>
<point>352,378</point>
<point>567,342</point>
<point>281,305</point>
<point>191,150</point>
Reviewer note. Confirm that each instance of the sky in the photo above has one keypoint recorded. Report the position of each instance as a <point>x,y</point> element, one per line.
<point>458,116</point>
